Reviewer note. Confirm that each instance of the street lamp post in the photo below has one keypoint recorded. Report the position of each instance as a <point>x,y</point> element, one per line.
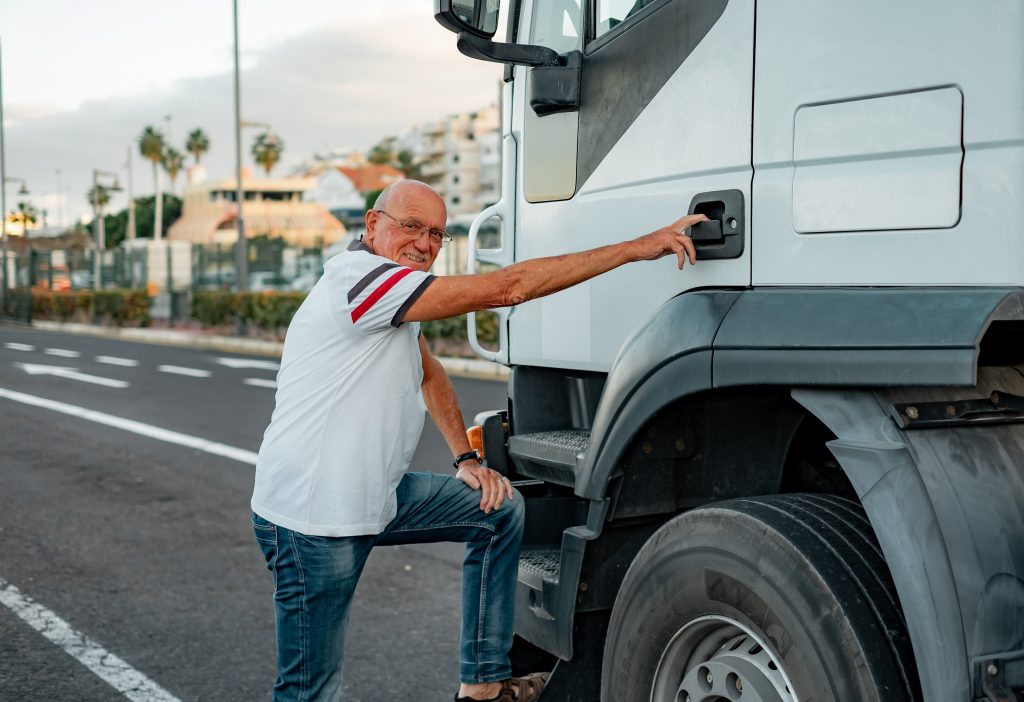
<point>97,223</point>
<point>60,207</point>
<point>240,198</point>
<point>131,223</point>
<point>241,250</point>
<point>23,190</point>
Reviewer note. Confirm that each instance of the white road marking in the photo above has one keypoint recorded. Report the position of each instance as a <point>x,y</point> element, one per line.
<point>19,347</point>
<point>194,442</point>
<point>181,370</point>
<point>261,382</point>
<point>248,363</point>
<point>64,353</point>
<point>71,374</point>
<point>111,669</point>
<point>115,361</point>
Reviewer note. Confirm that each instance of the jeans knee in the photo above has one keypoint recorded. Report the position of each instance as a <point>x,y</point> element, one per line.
<point>517,514</point>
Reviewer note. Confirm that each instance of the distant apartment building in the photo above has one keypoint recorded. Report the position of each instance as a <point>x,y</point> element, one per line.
<point>459,156</point>
<point>273,207</point>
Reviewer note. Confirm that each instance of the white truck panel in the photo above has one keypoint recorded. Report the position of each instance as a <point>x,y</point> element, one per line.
<point>693,137</point>
<point>809,53</point>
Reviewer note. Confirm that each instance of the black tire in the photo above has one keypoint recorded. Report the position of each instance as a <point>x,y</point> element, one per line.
<point>760,598</point>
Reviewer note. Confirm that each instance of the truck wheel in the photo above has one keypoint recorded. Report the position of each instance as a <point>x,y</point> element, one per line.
<point>782,598</point>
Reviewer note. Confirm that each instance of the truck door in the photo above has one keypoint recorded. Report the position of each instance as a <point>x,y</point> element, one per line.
<point>664,127</point>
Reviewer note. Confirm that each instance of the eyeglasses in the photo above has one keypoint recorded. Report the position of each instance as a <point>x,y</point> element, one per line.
<point>415,229</point>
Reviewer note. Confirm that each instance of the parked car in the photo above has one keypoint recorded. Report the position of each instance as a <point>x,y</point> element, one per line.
<point>267,280</point>
<point>58,280</point>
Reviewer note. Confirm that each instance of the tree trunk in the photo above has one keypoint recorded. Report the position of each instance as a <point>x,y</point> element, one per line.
<point>158,206</point>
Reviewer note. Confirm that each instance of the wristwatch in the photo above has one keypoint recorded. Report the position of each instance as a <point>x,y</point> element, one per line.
<point>466,456</point>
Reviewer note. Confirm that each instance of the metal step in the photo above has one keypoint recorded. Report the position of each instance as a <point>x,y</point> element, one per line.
<point>536,566</point>
<point>554,456</point>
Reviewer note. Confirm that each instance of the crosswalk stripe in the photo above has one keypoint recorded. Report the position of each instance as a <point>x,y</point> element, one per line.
<point>116,361</point>
<point>261,382</point>
<point>181,370</point>
<point>174,437</point>
<point>110,668</point>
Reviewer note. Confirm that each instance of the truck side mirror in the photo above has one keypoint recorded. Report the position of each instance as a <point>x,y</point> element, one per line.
<point>479,17</point>
<point>556,86</point>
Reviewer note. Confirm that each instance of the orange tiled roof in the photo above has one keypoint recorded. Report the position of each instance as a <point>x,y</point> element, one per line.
<point>372,176</point>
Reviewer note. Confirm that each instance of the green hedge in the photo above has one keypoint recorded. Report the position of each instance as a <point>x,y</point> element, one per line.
<point>112,307</point>
<point>273,311</point>
<point>265,310</point>
<point>455,328</point>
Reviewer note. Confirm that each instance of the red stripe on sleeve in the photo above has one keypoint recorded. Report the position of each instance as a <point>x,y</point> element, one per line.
<point>377,294</point>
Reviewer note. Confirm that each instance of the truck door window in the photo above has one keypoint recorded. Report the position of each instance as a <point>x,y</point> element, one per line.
<point>557,24</point>
<point>612,13</point>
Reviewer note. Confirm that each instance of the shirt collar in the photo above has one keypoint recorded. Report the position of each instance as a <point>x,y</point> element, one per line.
<point>359,245</point>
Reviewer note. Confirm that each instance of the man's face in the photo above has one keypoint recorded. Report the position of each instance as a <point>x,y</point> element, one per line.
<point>387,238</point>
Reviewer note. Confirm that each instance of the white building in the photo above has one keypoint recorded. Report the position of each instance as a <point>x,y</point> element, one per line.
<point>459,156</point>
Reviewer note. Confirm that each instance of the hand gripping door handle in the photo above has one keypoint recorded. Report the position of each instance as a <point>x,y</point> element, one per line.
<point>492,256</point>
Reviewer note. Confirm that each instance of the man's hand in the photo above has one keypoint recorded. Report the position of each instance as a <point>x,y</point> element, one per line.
<point>493,486</point>
<point>668,240</point>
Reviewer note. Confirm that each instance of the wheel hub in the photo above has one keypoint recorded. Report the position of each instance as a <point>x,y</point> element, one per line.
<point>717,659</point>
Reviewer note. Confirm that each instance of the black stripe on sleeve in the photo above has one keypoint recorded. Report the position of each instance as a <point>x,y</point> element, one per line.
<point>369,278</point>
<point>396,321</point>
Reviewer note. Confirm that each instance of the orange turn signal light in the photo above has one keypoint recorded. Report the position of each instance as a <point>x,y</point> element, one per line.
<point>475,434</point>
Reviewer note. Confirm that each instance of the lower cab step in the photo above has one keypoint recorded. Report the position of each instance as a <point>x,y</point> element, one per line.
<point>553,456</point>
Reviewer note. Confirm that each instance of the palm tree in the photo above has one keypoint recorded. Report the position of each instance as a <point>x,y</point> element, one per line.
<point>151,146</point>
<point>25,215</point>
<point>197,143</point>
<point>267,150</point>
<point>173,161</point>
<point>102,197</point>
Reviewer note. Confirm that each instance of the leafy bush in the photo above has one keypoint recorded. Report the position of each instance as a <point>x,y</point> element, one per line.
<point>269,311</point>
<point>114,307</point>
<point>214,309</point>
<point>454,328</point>
<point>121,307</point>
<point>273,311</point>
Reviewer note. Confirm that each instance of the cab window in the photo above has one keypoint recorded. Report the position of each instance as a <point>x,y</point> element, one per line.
<point>557,25</point>
<point>612,13</point>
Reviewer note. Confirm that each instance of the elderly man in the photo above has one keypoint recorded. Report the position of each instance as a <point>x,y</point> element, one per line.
<point>331,480</point>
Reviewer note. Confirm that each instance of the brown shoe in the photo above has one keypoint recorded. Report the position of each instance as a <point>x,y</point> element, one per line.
<point>529,688</point>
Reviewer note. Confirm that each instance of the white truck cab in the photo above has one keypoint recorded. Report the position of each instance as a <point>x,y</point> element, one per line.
<point>794,470</point>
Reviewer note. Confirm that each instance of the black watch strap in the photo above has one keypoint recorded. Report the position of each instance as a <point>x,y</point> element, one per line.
<point>466,456</point>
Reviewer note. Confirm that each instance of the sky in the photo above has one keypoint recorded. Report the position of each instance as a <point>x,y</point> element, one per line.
<point>81,80</point>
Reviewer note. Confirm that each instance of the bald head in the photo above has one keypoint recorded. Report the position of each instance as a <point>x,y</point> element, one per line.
<point>402,204</point>
<point>399,192</point>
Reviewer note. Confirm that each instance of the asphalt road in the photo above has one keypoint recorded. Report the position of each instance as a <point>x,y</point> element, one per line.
<point>142,547</point>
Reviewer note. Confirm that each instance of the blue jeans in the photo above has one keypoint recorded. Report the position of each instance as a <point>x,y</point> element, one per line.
<point>315,577</point>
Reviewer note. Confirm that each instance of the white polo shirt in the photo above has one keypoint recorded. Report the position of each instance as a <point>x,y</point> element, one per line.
<point>349,410</point>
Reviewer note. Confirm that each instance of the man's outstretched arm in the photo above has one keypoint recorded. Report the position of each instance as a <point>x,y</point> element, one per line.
<point>448,296</point>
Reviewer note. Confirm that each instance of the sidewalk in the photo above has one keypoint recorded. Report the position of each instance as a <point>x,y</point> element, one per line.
<point>460,367</point>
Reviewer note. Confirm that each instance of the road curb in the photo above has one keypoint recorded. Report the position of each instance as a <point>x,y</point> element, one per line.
<point>459,367</point>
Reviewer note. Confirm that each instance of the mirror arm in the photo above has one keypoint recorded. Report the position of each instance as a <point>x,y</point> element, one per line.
<point>519,54</point>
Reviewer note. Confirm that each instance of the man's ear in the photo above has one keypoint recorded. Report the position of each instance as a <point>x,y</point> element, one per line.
<point>370,218</point>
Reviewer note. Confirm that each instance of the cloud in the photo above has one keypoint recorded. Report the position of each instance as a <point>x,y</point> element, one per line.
<point>342,85</point>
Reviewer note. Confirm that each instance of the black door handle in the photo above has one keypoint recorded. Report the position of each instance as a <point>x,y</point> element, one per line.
<point>723,235</point>
<point>709,232</point>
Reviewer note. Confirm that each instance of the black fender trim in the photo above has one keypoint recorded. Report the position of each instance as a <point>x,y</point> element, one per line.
<point>812,337</point>
<point>855,336</point>
<point>668,357</point>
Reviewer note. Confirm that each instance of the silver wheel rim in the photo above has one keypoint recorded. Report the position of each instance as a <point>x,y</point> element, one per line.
<point>718,659</point>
